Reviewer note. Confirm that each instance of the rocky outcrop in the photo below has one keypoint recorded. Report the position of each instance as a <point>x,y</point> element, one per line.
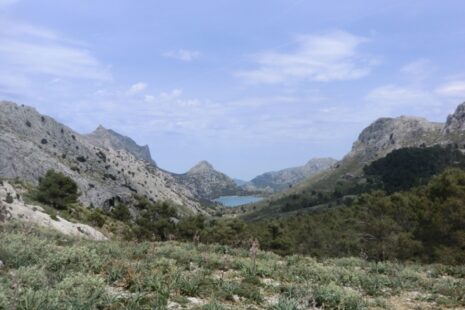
<point>454,129</point>
<point>206,182</point>
<point>110,139</point>
<point>31,144</point>
<point>283,179</point>
<point>12,207</point>
<point>388,134</point>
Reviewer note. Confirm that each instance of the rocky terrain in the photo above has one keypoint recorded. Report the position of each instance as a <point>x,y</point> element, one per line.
<point>31,144</point>
<point>283,179</point>
<point>206,182</point>
<point>110,139</point>
<point>13,208</point>
<point>374,142</point>
<point>388,134</point>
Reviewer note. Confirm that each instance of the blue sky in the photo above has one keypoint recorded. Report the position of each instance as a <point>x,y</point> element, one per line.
<point>250,86</point>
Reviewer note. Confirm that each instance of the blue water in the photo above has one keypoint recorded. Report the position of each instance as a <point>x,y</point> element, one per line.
<point>235,201</point>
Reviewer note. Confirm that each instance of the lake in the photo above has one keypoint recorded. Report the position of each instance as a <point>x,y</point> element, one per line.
<point>236,201</point>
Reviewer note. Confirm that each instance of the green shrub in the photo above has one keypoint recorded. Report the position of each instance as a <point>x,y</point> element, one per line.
<point>57,190</point>
<point>9,198</point>
<point>96,217</point>
<point>121,212</point>
<point>334,297</point>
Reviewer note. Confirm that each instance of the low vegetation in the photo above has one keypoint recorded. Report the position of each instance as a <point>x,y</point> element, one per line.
<point>45,270</point>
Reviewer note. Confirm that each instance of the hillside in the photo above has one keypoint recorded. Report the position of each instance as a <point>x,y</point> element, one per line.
<point>276,181</point>
<point>376,141</point>
<point>107,138</point>
<point>107,167</point>
<point>43,270</point>
<point>206,182</point>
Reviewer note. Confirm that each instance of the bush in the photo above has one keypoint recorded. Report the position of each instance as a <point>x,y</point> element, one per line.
<point>96,218</point>
<point>57,190</point>
<point>121,212</point>
<point>9,198</point>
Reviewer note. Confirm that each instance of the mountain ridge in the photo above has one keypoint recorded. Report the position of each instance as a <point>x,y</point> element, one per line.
<point>32,143</point>
<point>275,181</point>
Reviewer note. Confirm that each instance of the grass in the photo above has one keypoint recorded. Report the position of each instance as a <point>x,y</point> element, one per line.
<point>46,270</point>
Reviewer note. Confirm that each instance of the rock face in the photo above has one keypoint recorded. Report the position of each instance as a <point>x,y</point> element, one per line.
<point>454,129</point>
<point>283,179</point>
<point>109,139</point>
<point>31,144</point>
<point>206,182</point>
<point>388,134</point>
<point>12,207</point>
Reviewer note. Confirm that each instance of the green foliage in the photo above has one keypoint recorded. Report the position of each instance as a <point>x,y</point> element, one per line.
<point>408,167</point>
<point>424,224</point>
<point>154,221</point>
<point>9,198</point>
<point>96,217</point>
<point>45,270</point>
<point>56,190</point>
<point>121,213</point>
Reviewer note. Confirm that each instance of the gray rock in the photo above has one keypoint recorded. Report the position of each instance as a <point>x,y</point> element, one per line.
<point>388,134</point>
<point>31,144</point>
<point>207,183</point>
<point>107,138</point>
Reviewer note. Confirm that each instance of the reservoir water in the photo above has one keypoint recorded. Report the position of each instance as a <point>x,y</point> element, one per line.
<point>236,201</point>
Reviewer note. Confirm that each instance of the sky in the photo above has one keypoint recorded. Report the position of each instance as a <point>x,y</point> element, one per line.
<point>249,85</point>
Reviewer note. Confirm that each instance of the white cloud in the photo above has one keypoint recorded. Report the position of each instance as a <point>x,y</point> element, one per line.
<point>182,54</point>
<point>323,58</point>
<point>452,89</point>
<point>137,88</point>
<point>418,70</point>
<point>395,95</point>
<point>32,55</point>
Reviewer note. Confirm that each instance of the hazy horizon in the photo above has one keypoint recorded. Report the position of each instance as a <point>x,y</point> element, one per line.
<point>250,86</point>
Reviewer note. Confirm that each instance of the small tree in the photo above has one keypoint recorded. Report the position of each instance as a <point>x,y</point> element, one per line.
<point>121,212</point>
<point>57,190</point>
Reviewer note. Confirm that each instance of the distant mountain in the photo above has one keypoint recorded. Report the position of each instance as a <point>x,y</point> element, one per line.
<point>107,138</point>
<point>240,182</point>
<point>375,142</point>
<point>206,182</point>
<point>106,166</point>
<point>284,179</point>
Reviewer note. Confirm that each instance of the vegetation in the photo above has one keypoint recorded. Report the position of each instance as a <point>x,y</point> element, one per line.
<point>45,270</point>
<point>408,167</point>
<point>57,190</point>
<point>425,224</point>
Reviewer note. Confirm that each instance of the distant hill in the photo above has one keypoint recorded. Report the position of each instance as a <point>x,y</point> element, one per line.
<point>276,181</point>
<point>375,142</point>
<point>206,182</point>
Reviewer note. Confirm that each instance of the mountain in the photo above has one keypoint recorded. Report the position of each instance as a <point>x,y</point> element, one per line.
<point>206,182</point>
<point>283,179</point>
<point>379,139</point>
<point>105,171</point>
<point>109,139</point>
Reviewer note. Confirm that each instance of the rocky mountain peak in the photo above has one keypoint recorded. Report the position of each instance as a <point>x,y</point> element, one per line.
<point>387,134</point>
<point>208,183</point>
<point>201,167</point>
<point>108,138</point>
<point>283,179</point>
<point>456,122</point>
<point>320,162</point>
<point>31,144</point>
